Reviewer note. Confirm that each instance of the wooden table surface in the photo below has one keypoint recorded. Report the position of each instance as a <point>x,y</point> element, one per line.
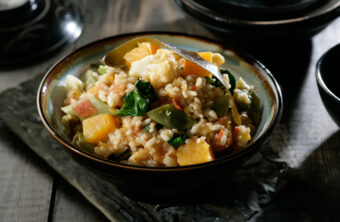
<point>307,138</point>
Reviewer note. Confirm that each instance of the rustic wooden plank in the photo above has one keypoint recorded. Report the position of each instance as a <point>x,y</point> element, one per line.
<point>313,193</point>
<point>70,205</point>
<point>25,181</point>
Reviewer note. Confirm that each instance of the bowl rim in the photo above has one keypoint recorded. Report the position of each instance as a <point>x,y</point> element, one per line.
<point>318,74</point>
<point>251,148</point>
<point>230,20</point>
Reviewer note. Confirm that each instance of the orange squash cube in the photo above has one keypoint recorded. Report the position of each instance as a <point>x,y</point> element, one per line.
<point>97,128</point>
<point>191,68</point>
<point>206,56</point>
<point>143,49</point>
<point>195,152</point>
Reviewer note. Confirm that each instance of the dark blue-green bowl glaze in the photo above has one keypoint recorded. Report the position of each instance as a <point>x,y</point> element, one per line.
<point>327,78</point>
<point>159,181</point>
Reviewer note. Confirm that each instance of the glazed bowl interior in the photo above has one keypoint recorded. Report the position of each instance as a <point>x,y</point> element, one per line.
<point>51,93</point>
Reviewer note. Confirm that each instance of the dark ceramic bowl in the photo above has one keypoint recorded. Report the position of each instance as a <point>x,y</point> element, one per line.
<point>159,181</point>
<point>327,78</point>
<point>258,18</point>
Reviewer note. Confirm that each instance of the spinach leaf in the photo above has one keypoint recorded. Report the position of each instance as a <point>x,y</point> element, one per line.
<point>147,91</point>
<point>177,140</point>
<point>137,102</point>
<point>134,105</point>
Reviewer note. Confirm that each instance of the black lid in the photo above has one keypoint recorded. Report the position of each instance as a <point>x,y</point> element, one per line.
<point>261,9</point>
<point>33,29</point>
<point>262,17</point>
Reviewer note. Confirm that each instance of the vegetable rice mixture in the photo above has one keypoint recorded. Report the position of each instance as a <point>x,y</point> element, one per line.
<point>158,110</point>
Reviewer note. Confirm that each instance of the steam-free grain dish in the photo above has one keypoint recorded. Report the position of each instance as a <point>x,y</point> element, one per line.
<point>159,110</point>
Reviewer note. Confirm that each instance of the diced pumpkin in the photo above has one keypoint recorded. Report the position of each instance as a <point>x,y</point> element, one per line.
<point>194,152</point>
<point>98,127</point>
<point>143,49</point>
<point>207,56</point>
<point>191,68</point>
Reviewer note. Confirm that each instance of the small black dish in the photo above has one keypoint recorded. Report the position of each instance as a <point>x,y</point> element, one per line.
<point>327,78</point>
<point>257,18</point>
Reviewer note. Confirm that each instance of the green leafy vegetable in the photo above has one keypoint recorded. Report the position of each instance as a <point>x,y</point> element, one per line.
<point>137,102</point>
<point>177,140</point>
<point>147,91</point>
<point>134,105</point>
<point>167,115</point>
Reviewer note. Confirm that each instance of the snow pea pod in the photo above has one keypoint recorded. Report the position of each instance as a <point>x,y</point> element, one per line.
<point>169,116</point>
<point>221,105</point>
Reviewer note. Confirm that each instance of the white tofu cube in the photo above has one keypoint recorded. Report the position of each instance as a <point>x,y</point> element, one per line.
<point>158,69</point>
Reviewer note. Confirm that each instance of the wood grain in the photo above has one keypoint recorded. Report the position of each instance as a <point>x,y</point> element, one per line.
<point>25,181</point>
<point>70,205</point>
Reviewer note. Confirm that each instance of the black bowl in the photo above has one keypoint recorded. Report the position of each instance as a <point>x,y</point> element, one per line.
<point>327,78</point>
<point>264,19</point>
<point>160,182</point>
